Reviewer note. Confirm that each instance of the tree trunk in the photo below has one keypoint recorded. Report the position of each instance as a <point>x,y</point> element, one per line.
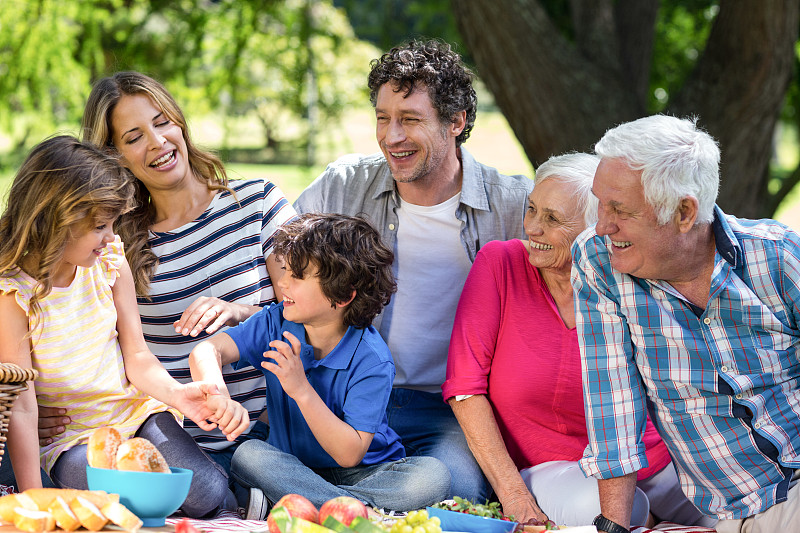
<point>737,90</point>
<point>560,95</point>
<point>545,86</point>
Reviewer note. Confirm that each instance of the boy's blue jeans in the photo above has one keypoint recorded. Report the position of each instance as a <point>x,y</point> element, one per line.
<point>403,485</point>
<point>427,426</point>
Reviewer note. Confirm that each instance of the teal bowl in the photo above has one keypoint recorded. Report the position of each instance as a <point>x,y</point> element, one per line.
<point>152,496</point>
<point>455,521</point>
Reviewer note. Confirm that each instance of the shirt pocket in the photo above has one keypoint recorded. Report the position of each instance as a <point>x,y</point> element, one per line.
<point>770,338</point>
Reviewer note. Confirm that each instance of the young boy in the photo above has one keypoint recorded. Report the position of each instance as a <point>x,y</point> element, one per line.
<point>328,382</point>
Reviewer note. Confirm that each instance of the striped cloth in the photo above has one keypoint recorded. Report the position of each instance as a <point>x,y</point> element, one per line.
<point>223,522</point>
<point>75,349</point>
<point>672,528</point>
<point>221,254</point>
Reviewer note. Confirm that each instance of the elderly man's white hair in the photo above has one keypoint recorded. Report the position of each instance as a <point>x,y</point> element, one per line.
<point>676,158</point>
<point>578,171</point>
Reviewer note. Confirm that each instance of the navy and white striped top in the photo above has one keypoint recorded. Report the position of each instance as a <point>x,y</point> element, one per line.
<point>221,254</point>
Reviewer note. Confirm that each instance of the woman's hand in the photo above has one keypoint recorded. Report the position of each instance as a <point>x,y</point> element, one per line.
<point>288,367</point>
<point>209,314</point>
<point>52,422</point>
<point>522,507</point>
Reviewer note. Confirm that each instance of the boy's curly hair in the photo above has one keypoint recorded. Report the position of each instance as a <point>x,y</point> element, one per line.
<point>348,254</point>
<point>434,64</point>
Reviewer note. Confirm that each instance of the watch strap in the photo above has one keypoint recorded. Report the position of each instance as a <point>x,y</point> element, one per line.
<point>609,526</point>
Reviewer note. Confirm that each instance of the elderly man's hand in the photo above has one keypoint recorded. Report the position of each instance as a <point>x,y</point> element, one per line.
<point>52,422</point>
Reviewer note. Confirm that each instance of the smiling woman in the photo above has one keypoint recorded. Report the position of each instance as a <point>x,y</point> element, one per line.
<point>530,453</point>
<point>200,247</point>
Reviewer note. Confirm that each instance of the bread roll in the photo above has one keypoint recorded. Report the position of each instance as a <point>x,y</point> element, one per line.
<point>9,503</point>
<point>33,521</point>
<point>90,516</point>
<point>45,496</point>
<point>121,516</point>
<point>64,516</point>
<point>101,450</point>
<point>140,455</point>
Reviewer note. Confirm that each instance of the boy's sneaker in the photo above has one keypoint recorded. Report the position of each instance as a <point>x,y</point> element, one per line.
<point>256,506</point>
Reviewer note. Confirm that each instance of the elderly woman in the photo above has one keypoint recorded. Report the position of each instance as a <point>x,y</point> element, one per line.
<point>514,366</point>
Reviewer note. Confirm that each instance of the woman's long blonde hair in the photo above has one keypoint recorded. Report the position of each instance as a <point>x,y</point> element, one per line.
<point>96,126</point>
<point>62,189</point>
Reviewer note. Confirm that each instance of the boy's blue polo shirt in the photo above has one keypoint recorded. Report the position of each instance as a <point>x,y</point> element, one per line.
<point>354,381</point>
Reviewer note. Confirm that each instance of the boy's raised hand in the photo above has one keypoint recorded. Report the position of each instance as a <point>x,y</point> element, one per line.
<point>288,367</point>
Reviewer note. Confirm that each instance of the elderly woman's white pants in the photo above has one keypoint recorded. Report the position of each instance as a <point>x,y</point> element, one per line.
<point>569,498</point>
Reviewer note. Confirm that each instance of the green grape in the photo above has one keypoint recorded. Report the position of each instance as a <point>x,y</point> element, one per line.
<point>417,522</point>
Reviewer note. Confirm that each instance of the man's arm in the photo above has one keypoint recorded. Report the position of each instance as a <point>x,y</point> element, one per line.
<point>313,198</point>
<point>616,498</point>
<point>614,396</point>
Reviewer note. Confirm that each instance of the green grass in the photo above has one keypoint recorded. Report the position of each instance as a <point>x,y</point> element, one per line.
<point>291,179</point>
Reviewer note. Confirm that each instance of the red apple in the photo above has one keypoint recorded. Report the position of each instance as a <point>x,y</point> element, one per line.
<point>343,509</point>
<point>297,506</point>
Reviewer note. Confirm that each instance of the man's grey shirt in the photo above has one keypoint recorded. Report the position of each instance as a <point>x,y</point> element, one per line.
<point>492,205</point>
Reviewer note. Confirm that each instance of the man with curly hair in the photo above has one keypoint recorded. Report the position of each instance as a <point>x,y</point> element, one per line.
<point>435,206</point>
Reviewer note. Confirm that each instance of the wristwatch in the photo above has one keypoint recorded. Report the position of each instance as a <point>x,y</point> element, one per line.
<point>604,524</point>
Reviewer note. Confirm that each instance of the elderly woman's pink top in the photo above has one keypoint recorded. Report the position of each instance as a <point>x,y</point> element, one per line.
<point>510,343</point>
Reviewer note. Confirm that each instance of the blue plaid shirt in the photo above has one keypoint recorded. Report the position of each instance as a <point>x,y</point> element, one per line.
<point>723,383</point>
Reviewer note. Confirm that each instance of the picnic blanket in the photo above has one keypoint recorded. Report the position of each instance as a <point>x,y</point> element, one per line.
<point>672,528</point>
<point>225,521</point>
<point>229,521</point>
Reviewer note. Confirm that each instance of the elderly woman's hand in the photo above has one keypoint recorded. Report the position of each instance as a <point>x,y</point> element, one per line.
<point>523,508</point>
<point>210,314</point>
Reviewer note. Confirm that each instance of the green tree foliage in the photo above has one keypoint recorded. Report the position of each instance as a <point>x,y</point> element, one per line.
<point>565,70</point>
<point>284,60</point>
<point>386,23</point>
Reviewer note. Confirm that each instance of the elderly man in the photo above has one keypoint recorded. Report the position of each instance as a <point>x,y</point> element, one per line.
<point>435,206</point>
<point>694,314</point>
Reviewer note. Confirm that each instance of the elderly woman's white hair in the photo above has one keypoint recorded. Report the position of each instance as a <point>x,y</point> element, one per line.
<point>578,171</point>
<point>677,159</point>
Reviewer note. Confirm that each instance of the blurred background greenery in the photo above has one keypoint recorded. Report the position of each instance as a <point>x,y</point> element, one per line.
<point>278,87</point>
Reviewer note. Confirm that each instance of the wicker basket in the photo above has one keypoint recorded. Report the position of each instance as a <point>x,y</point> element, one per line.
<point>13,380</point>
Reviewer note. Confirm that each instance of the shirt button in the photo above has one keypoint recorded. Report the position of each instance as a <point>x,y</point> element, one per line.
<point>724,369</point>
<point>757,425</point>
<point>391,227</point>
<point>739,396</point>
<point>706,321</point>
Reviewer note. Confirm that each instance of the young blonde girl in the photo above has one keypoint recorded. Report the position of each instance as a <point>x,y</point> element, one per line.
<point>69,310</point>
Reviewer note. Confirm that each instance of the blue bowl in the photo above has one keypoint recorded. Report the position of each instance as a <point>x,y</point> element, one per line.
<point>455,521</point>
<point>152,496</point>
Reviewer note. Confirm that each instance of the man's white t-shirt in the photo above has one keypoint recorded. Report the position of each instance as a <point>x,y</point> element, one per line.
<point>431,266</point>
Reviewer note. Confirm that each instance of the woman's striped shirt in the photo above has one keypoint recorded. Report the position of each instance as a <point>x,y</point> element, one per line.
<point>221,254</point>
